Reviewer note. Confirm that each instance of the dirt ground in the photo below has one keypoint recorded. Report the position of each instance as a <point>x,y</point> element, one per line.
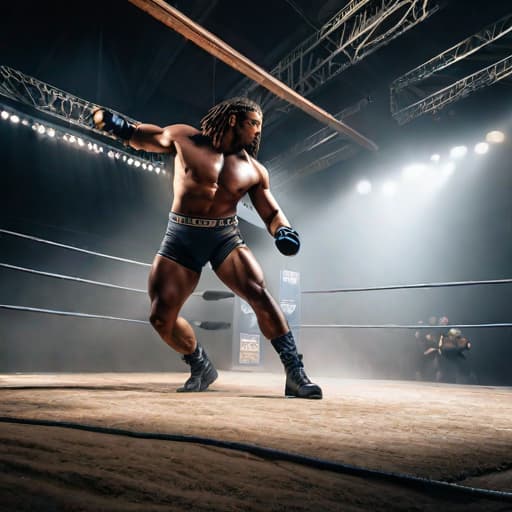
<point>454,433</point>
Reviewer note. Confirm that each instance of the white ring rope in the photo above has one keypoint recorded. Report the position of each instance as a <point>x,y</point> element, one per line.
<point>64,246</point>
<point>71,313</point>
<point>71,278</point>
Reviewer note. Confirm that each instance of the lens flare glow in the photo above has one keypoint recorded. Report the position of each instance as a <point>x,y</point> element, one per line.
<point>481,148</point>
<point>364,187</point>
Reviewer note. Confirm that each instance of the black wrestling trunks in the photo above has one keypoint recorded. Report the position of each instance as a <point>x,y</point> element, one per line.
<point>193,241</point>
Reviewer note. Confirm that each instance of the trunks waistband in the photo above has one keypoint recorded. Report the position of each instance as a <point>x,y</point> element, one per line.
<point>199,222</point>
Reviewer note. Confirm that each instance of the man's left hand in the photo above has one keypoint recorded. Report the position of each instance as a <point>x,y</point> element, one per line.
<point>287,241</point>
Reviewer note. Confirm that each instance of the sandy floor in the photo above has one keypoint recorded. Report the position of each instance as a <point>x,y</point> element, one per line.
<point>461,434</point>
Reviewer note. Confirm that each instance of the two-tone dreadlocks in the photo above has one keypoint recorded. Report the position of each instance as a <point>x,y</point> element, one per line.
<point>215,123</point>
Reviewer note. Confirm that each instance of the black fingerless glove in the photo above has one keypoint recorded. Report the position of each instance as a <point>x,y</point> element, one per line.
<point>287,241</point>
<point>114,123</point>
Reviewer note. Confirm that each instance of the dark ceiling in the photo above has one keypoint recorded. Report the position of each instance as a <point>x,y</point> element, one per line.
<point>113,54</point>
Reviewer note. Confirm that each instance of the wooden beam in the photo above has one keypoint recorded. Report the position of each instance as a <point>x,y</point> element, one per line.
<point>176,20</point>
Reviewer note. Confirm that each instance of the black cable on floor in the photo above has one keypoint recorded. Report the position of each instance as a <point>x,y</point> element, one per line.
<point>269,453</point>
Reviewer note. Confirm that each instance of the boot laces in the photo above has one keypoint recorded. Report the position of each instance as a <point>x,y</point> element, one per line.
<point>299,376</point>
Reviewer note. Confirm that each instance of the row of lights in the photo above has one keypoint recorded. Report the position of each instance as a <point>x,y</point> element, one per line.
<point>438,171</point>
<point>81,143</point>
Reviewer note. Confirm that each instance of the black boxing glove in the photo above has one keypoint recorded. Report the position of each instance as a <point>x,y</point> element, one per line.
<point>113,123</point>
<point>287,241</point>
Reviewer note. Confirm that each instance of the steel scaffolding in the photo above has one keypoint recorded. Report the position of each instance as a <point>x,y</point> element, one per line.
<point>64,108</point>
<point>408,98</point>
<point>353,33</point>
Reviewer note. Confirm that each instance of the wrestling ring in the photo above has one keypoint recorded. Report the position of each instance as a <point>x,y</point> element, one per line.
<point>390,436</point>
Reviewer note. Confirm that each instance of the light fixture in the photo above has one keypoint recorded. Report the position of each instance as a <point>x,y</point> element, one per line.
<point>413,171</point>
<point>495,137</point>
<point>37,126</point>
<point>364,187</point>
<point>458,152</point>
<point>481,148</point>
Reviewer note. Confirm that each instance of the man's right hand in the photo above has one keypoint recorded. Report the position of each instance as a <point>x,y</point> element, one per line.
<point>111,122</point>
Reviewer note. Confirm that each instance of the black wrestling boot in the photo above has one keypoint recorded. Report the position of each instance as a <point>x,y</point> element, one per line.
<point>298,383</point>
<point>202,371</point>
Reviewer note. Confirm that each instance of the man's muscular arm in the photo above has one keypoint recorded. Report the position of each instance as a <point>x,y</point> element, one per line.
<point>286,239</point>
<point>148,137</point>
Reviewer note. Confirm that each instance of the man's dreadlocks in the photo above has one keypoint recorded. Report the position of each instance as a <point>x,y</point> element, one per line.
<point>215,123</point>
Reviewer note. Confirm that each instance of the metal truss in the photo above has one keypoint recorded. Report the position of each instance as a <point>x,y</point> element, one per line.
<point>456,91</point>
<point>345,152</point>
<point>404,91</point>
<point>60,105</point>
<point>278,164</point>
<point>353,33</point>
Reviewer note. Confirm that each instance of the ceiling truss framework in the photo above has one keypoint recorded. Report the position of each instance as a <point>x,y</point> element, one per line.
<point>353,33</point>
<point>294,157</point>
<point>59,105</point>
<point>408,95</point>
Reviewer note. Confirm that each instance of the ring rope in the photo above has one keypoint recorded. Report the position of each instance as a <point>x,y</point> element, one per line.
<point>305,292</point>
<point>71,313</point>
<point>42,240</point>
<point>273,454</point>
<point>305,326</point>
<point>397,326</point>
<point>86,281</point>
<point>71,278</point>
<point>409,286</point>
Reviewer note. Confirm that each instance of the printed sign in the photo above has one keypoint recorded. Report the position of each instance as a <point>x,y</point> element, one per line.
<point>249,349</point>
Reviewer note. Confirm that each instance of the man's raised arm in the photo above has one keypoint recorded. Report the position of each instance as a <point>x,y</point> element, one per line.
<point>148,137</point>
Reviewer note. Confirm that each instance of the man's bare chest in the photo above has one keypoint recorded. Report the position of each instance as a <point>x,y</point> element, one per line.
<point>205,166</point>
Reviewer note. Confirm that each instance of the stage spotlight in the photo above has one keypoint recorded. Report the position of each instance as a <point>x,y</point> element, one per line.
<point>129,161</point>
<point>458,152</point>
<point>15,119</point>
<point>150,167</point>
<point>481,148</point>
<point>414,171</point>
<point>41,129</point>
<point>389,188</point>
<point>157,170</point>
<point>4,115</point>
<point>50,132</point>
<point>110,154</point>
<point>80,141</point>
<point>136,163</point>
<point>72,139</point>
<point>364,187</point>
<point>495,137</point>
